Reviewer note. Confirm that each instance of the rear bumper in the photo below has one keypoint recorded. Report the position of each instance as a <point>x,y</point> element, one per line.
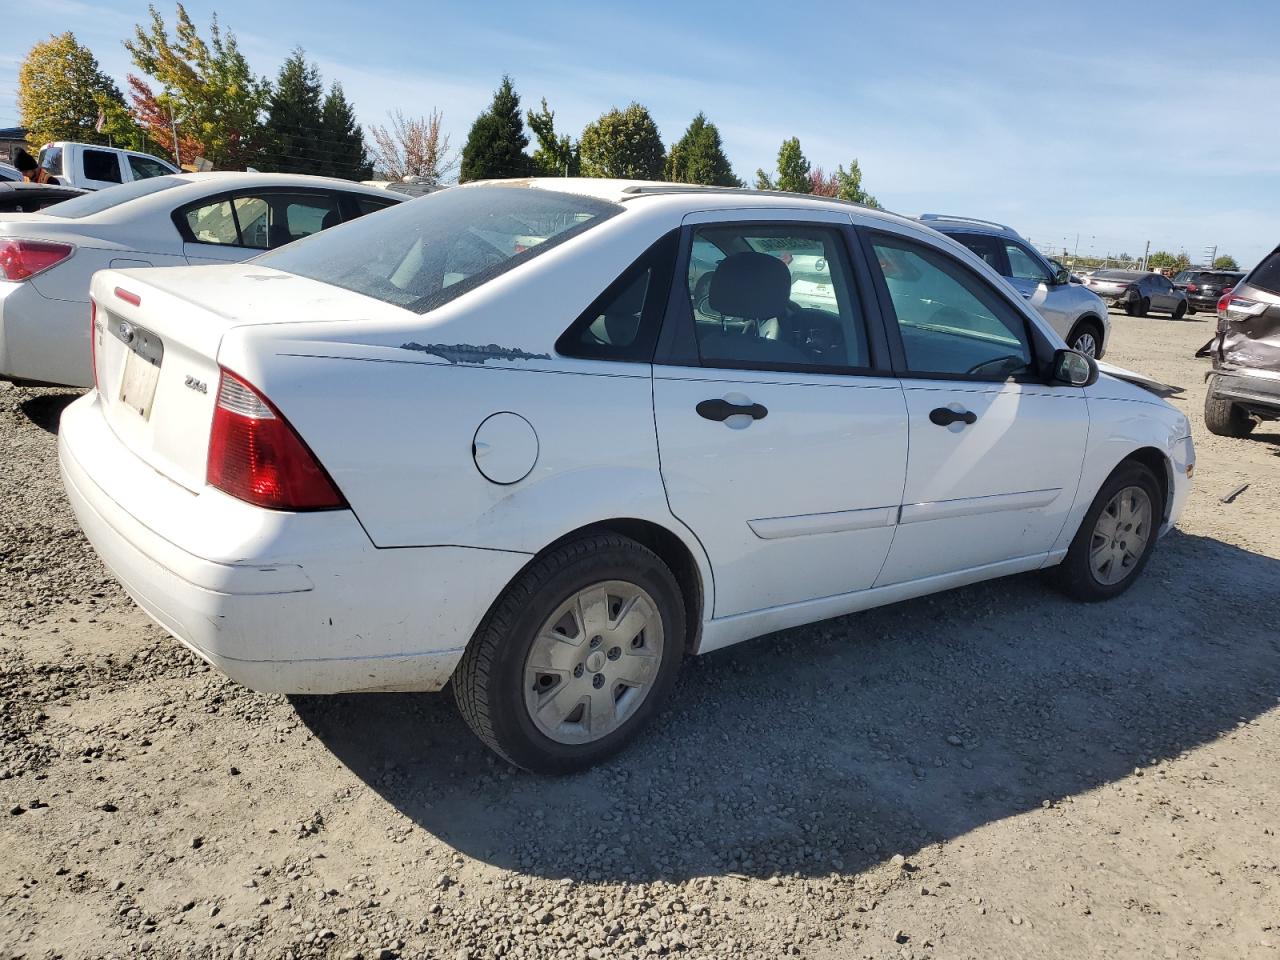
<point>1255,392</point>
<point>1203,303</point>
<point>308,605</point>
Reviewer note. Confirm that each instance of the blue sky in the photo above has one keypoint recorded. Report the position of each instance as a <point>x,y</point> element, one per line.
<point>1119,122</point>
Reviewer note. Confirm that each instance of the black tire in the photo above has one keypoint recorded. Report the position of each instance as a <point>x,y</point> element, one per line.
<point>1144,306</point>
<point>1180,310</point>
<point>1191,311</point>
<point>1130,309</point>
<point>1224,418</point>
<point>488,683</point>
<point>1089,326</point>
<point>1074,576</point>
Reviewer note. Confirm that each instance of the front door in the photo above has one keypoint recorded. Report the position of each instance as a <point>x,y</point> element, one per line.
<point>782,442</point>
<point>995,453</point>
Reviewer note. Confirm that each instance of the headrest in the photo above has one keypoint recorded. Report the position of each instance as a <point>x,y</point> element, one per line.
<point>753,286</point>
<point>330,219</point>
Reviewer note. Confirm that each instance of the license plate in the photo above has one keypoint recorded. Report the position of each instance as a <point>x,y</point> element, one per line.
<point>138,389</point>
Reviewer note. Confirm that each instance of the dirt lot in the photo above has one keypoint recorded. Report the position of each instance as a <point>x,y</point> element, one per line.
<point>995,772</point>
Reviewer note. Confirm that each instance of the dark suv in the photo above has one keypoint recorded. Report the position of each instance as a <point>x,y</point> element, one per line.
<point>1244,386</point>
<point>1204,287</point>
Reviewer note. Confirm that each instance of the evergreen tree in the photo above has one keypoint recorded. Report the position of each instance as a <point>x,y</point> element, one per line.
<point>698,157</point>
<point>495,146</point>
<point>294,138</point>
<point>793,168</point>
<point>342,139</point>
<point>849,186</point>
<point>556,156</point>
<point>623,143</point>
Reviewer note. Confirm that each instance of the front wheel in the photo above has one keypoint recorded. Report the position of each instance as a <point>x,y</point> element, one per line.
<point>1087,338</point>
<point>575,656</point>
<point>1116,537</point>
<point>1144,306</point>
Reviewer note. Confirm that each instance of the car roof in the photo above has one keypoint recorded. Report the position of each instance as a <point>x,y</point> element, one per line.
<point>691,197</point>
<point>23,186</point>
<point>948,222</point>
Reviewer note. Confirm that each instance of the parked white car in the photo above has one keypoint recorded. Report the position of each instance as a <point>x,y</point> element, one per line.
<point>91,166</point>
<point>399,454</point>
<point>47,258</point>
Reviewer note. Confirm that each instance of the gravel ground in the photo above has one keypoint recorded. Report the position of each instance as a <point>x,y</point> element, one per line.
<point>993,772</point>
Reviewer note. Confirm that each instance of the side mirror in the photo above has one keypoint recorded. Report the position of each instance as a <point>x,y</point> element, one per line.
<point>1062,276</point>
<point>1074,368</point>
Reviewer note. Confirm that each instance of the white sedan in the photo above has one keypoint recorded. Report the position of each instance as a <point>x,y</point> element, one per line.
<point>47,258</point>
<point>401,454</point>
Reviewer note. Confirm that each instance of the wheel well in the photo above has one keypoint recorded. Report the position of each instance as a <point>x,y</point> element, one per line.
<point>1157,463</point>
<point>1088,320</point>
<point>672,551</point>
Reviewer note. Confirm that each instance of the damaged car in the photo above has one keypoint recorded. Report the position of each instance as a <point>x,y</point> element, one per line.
<point>1244,385</point>
<point>538,440</point>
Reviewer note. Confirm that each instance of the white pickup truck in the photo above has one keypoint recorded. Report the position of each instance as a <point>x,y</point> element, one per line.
<point>93,167</point>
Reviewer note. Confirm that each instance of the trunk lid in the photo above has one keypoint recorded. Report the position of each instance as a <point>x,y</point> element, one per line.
<point>156,339</point>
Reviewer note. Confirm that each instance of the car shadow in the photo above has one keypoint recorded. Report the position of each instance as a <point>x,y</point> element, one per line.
<point>831,747</point>
<point>45,409</point>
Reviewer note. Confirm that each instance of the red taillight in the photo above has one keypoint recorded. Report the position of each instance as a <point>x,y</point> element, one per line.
<point>128,296</point>
<point>93,340</point>
<point>254,455</point>
<point>21,259</point>
<point>1192,288</point>
<point>1224,300</point>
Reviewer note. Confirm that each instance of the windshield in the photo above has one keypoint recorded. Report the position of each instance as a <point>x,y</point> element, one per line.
<point>96,202</point>
<point>422,254</point>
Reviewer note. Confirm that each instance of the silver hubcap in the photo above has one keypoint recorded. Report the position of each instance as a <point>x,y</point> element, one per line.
<point>1087,345</point>
<point>593,662</point>
<point>1120,536</point>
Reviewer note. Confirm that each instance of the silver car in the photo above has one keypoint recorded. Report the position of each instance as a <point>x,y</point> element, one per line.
<point>1078,315</point>
<point>1138,292</point>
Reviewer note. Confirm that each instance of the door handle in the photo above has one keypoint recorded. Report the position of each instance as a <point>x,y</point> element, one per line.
<point>945,416</point>
<point>722,410</point>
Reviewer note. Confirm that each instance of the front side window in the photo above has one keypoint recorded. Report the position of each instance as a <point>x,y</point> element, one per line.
<point>776,296</point>
<point>144,167</point>
<point>951,323</point>
<point>424,253</point>
<point>1023,265</point>
<point>102,165</point>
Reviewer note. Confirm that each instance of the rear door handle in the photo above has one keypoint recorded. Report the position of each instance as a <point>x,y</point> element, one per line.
<point>722,410</point>
<point>945,416</point>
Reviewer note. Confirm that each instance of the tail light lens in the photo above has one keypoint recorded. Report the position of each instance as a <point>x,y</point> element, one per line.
<point>23,259</point>
<point>1223,301</point>
<point>1192,288</point>
<point>255,456</point>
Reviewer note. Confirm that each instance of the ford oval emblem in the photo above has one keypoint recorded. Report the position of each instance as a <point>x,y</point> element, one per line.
<point>126,332</point>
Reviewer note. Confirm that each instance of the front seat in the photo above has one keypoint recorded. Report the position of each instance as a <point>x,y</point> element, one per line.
<point>755,287</point>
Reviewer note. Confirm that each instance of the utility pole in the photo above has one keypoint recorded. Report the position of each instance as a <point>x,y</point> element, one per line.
<point>1144,255</point>
<point>177,157</point>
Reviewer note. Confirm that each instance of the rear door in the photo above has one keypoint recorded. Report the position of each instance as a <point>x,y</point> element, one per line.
<point>99,168</point>
<point>995,453</point>
<point>783,438</point>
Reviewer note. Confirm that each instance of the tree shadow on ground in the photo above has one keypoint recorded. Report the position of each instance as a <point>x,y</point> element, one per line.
<point>45,409</point>
<point>833,746</point>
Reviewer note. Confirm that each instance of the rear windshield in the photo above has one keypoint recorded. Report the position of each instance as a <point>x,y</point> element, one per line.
<point>1117,274</point>
<point>99,200</point>
<point>1266,275</point>
<point>422,254</point>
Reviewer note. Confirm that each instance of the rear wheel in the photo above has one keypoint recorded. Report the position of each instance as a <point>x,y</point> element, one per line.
<point>1144,306</point>
<point>1191,311</point>
<point>1224,418</point>
<point>575,656</point>
<point>1087,338</point>
<point>1116,537</point>
<point>1180,310</point>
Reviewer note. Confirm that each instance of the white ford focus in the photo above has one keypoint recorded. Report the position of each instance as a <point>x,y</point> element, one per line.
<point>507,436</point>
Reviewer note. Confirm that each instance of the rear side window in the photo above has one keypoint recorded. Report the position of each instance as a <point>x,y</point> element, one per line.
<point>102,165</point>
<point>986,248</point>
<point>260,221</point>
<point>424,253</point>
<point>1266,275</point>
<point>622,324</point>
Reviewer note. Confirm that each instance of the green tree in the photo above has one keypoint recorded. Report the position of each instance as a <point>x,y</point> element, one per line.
<point>216,101</point>
<point>1226,262</point>
<point>293,135</point>
<point>623,143</point>
<point>849,185</point>
<point>557,155</point>
<point>1164,260</point>
<point>495,145</point>
<point>342,139</point>
<point>794,173</point>
<point>62,92</point>
<point>698,157</point>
